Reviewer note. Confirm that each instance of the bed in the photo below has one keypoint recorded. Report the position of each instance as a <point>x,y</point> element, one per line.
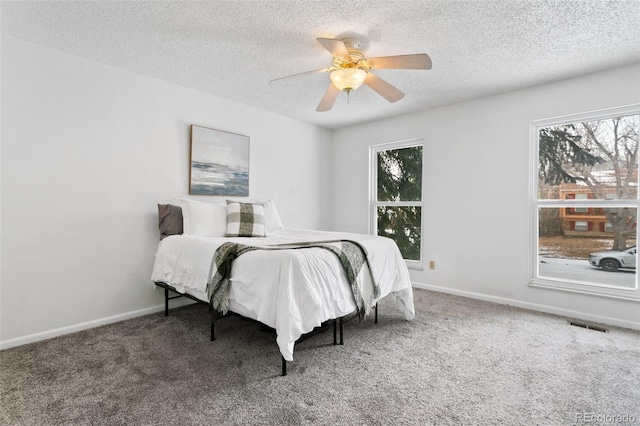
<point>287,280</point>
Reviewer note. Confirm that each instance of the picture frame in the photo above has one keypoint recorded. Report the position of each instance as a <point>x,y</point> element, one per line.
<point>218,163</point>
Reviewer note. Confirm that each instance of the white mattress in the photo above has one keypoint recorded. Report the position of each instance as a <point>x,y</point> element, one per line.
<point>292,291</point>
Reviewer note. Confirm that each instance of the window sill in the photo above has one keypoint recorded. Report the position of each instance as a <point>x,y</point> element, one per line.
<point>412,264</point>
<point>591,290</point>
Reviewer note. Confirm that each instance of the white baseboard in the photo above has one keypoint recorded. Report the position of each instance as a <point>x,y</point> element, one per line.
<point>532,306</point>
<point>44,335</point>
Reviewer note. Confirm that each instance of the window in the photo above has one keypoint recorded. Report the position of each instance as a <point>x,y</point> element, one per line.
<point>585,202</point>
<point>581,209</point>
<point>396,196</point>
<point>581,226</point>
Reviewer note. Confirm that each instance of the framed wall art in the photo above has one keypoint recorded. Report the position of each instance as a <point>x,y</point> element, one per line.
<point>219,163</point>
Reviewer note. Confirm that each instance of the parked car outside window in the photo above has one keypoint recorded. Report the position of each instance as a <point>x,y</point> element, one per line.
<point>612,260</point>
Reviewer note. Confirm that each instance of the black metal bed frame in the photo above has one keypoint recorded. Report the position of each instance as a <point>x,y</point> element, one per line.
<point>336,322</point>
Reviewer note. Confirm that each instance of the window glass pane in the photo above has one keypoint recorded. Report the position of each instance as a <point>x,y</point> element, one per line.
<point>602,252</point>
<point>593,159</point>
<point>402,224</point>
<point>400,174</point>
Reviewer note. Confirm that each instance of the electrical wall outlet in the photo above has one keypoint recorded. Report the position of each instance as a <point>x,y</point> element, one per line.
<point>432,264</point>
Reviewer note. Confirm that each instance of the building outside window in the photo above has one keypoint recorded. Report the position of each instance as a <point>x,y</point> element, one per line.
<point>396,196</point>
<point>585,200</point>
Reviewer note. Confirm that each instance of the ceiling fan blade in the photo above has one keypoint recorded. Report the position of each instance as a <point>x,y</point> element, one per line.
<point>336,48</point>
<point>326,103</point>
<point>302,74</point>
<point>384,89</point>
<point>419,61</point>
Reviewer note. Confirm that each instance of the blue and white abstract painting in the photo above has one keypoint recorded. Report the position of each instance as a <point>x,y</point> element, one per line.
<point>219,163</point>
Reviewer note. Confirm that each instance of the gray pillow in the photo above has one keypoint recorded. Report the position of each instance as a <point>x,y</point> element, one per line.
<point>169,220</point>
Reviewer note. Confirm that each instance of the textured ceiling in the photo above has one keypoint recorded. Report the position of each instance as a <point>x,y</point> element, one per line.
<point>232,49</point>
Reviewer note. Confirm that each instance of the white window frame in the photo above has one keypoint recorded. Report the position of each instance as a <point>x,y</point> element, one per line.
<point>373,193</point>
<point>597,289</point>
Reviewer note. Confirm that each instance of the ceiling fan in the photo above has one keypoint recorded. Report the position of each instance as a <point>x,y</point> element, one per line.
<point>351,69</point>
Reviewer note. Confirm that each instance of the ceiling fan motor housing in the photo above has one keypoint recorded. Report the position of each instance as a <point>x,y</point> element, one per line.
<point>358,59</point>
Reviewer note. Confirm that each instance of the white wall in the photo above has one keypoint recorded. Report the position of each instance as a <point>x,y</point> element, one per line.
<point>476,192</point>
<point>88,151</point>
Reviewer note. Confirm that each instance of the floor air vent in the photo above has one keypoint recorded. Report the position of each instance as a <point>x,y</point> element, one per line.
<point>588,326</point>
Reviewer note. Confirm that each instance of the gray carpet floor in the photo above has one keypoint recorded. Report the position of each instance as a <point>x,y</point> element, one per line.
<point>460,362</point>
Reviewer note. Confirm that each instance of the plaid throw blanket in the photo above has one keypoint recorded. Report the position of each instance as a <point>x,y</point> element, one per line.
<point>351,254</point>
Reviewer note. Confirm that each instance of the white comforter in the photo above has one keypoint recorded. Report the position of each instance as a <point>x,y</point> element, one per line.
<point>292,291</point>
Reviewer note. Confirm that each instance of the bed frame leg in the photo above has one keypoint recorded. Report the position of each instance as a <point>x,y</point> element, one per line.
<point>166,302</point>
<point>335,331</point>
<point>284,366</point>
<point>376,319</point>
<point>213,328</point>
<point>341,331</point>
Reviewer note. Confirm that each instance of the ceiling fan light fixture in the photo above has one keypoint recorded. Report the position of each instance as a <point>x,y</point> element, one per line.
<point>348,79</point>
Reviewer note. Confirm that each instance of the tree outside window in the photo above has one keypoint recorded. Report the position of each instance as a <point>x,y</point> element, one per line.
<point>397,196</point>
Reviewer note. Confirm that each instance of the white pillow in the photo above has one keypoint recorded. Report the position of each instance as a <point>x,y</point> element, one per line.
<point>202,219</point>
<point>272,221</point>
